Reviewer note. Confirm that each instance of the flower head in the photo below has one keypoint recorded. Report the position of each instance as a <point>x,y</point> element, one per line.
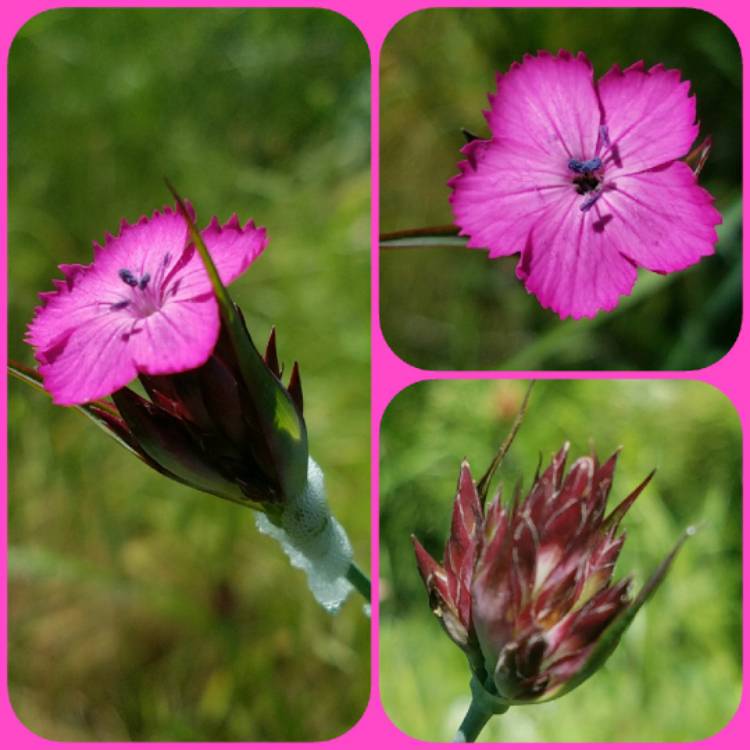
<point>583,179</point>
<point>527,589</point>
<point>145,305</point>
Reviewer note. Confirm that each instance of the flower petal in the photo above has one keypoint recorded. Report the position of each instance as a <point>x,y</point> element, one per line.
<point>501,192</point>
<point>649,116</point>
<point>141,247</point>
<point>89,291</point>
<point>87,362</point>
<point>662,219</point>
<point>232,247</point>
<point>549,103</point>
<point>180,336</point>
<point>571,264</point>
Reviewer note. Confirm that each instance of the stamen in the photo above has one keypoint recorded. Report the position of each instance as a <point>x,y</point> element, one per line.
<point>123,303</point>
<point>143,283</point>
<point>128,277</point>
<point>591,198</point>
<point>604,135</point>
<point>591,165</point>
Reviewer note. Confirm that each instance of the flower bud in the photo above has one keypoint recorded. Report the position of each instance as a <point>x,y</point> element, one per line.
<point>209,428</point>
<point>526,588</point>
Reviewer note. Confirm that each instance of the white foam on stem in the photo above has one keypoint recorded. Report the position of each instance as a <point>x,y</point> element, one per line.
<point>314,541</point>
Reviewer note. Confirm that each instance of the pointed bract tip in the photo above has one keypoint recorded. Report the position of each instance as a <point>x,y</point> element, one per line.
<point>271,356</point>
<point>183,206</point>
<point>612,521</point>
<point>425,562</point>
<point>295,388</point>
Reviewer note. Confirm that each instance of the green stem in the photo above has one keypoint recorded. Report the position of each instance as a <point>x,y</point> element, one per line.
<point>359,580</point>
<point>443,236</point>
<point>477,716</point>
<point>445,230</point>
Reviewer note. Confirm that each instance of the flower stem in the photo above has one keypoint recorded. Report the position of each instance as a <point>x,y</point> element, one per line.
<point>442,236</point>
<point>447,230</point>
<point>359,580</point>
<point>477,716</point>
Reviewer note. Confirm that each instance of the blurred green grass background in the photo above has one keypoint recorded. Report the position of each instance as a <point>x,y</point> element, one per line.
<point>139,609</point>
<point>676,675</point>
<point>449,308</point>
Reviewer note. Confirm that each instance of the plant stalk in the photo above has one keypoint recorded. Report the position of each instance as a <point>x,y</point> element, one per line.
<point>446,230</point>
<point>477,716</point>
<point>442,236</point>
<point>359,580</point>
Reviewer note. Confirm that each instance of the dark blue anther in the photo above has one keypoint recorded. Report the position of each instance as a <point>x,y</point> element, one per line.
<point>591,165</point>
<point>119,305</point>
<point>143,283</point>
<point>128,277</point>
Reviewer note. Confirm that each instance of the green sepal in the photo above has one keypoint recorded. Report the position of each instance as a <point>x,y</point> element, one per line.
<point>283,427</point>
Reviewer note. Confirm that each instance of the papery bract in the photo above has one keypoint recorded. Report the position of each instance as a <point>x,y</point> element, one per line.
<point>582,178</point>
<point>145,305</point>
<point>526,588</point>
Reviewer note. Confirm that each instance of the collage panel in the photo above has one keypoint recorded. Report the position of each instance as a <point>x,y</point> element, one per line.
<point>560,189</point>
<point>141,609</point>
<point>562,562</point>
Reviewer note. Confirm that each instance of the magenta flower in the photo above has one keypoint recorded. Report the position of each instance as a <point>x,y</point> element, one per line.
<point>583,179</point>
<point>145,305</point>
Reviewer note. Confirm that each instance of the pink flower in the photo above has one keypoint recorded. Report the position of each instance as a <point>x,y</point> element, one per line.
<point>582,178</point>
<point>145,305</point>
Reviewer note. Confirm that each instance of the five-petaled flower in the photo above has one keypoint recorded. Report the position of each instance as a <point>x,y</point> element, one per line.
<point>145,305</point>
<point>583,178</point>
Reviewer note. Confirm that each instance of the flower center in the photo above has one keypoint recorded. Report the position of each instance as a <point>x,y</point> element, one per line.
<point>142,300</point>
<point>587,180</point>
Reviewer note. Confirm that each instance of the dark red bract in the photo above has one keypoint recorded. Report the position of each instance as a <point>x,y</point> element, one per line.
<point>526,588</point>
